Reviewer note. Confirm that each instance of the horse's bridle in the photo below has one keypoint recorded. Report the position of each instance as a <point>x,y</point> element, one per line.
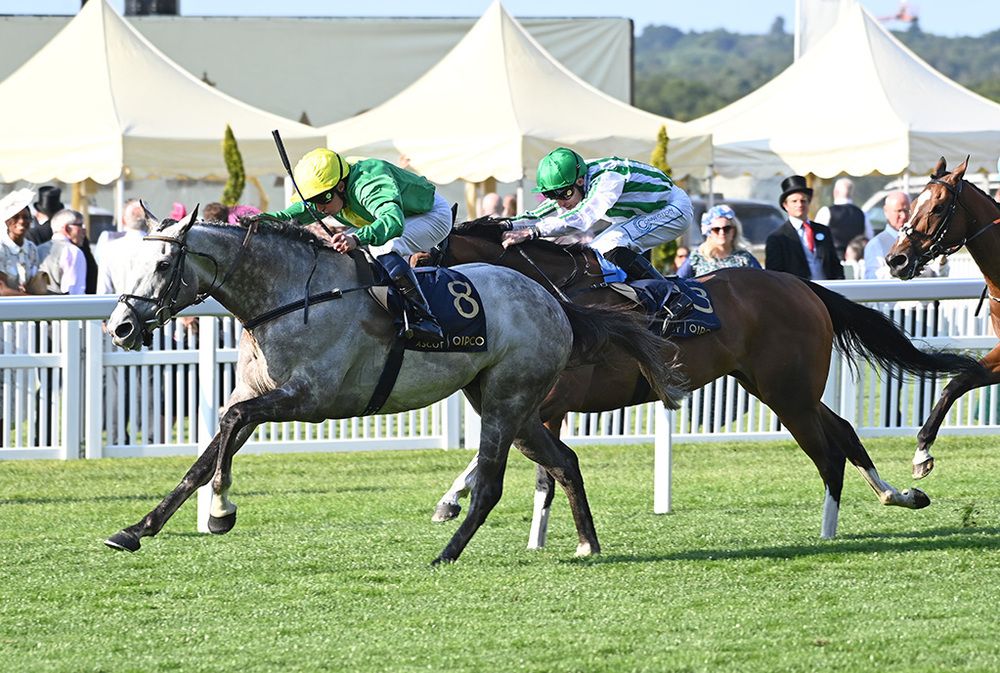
<point>936,247</point>
<point>165,306</point>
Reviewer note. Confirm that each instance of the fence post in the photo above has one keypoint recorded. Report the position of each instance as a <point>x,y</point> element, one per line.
<point>94,375</point>
<point>472,427</point>
<point>208,406</point>
<point>662,455</point>
<point>72,400</point>
<point>452,421</point>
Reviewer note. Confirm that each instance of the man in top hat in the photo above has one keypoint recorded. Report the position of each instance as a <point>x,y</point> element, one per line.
<point>48,204</point>
<point>798,246</point>
<point>19,272</point>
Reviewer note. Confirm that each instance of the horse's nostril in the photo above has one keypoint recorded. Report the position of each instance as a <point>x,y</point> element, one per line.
<point>896,261</point>
<point>124,329</point>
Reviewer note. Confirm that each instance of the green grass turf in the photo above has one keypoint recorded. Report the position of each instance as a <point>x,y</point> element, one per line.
<point>328,568</point>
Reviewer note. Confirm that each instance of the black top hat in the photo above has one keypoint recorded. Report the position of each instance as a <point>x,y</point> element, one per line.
<point>790,185</point>
<point>49,200</point>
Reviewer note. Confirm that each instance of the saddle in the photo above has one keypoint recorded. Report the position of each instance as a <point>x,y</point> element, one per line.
<point>688,300</point>
<point>453,300</point>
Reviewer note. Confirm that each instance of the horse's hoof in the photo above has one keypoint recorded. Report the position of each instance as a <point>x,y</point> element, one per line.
<point>442,561</point>
<point>123,541</point>
<point>586,549</point>
<point>446,511</point>
<point>920,499</point>
<point>921,470</point>
<point>220,525</point>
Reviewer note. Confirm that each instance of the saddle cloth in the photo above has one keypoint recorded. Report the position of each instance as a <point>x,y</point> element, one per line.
<point>454,301</point>
<point>652,295</point>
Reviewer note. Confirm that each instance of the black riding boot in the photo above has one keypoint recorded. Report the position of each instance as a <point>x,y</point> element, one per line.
<point>635,266</point>
<point>421,322</point>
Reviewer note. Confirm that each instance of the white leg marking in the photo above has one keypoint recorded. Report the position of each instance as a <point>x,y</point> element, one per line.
<point>921,456</point>
<point>887,493</point>
<point>831,512</point>
<point>221,505</point>
<point>540,523</point>
<point>463,483</point>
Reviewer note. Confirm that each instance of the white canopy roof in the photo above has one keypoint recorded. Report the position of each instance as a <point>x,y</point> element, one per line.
<point>496,104</point>
<point>858,102</point>
<point>121,105</point>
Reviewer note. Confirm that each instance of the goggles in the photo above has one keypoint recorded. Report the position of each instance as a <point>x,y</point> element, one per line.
<point>559,194</point>
<point>322,198</point>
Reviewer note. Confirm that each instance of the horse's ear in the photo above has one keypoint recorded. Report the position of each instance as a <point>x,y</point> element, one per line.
<point>940,169</point>
<point>188,220</point>
<point>150,218</point>
<point>454,214</point>
<point>959,171</point>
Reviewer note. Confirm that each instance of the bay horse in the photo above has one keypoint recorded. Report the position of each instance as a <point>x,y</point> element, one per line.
<point>290,369</point>
<point>949,213</point>
<point>777,336</point>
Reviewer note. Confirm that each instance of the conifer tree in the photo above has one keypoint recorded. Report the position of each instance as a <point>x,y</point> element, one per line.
<point>662,255</point>
<point>234,166</point>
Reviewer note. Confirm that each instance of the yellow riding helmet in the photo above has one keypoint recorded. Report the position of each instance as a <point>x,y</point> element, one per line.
<point>318,171</point>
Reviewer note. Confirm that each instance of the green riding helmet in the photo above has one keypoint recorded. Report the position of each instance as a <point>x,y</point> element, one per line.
<point>559,168</point>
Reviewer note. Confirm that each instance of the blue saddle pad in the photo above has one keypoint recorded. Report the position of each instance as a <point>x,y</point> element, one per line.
<point>455,303</point>
<point>701,319</point>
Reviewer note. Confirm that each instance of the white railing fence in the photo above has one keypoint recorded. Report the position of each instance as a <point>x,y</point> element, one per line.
<point>67,392</point>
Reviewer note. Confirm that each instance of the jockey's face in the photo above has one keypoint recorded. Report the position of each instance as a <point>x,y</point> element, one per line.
<point>574,198</point>
<point>334,205</point>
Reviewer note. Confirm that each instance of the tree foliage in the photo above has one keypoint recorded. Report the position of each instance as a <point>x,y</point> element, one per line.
<point>662,255</point>
<point>659,156</point>
<point>234,166</point>
<point>688,75</point>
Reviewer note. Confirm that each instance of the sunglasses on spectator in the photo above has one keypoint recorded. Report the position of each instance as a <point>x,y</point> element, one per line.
<point>721,230</point>
<point>559,194</point>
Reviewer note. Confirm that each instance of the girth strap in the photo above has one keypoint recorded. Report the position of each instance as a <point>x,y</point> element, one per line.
<point>387,379</point>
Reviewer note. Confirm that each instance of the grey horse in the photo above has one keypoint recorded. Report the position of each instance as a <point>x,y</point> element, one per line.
<point>292,370</point>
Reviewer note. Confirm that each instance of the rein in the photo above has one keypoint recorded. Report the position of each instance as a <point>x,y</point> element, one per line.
<point>555,288</point>
<point>439,256</point>
<point>303,304</point>
<point>166,306</point>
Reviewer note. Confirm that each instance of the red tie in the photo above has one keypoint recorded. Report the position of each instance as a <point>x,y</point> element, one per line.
<point>810,238</point>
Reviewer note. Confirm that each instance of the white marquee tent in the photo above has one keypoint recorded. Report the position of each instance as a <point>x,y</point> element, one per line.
<point>857,102</point>
<point>496,104</point>
<point>123,109</point>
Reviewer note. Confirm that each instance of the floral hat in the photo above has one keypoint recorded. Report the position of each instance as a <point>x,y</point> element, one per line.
<point>714,213</point>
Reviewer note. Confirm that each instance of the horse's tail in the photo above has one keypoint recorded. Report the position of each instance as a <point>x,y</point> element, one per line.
<point>594,327</point>
<point>864,332</point>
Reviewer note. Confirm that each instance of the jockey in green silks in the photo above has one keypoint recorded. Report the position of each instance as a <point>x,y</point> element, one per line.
<point>640,205</point>
<point>394,212</point>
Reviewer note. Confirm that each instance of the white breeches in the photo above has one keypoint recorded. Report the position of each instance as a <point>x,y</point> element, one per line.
<point>420,232</point>
<point>648,231</point>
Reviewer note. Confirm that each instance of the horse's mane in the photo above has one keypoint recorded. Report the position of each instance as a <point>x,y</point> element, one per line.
<point>984,193</point>
<point>268,225</point>
<point>492,229</point>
